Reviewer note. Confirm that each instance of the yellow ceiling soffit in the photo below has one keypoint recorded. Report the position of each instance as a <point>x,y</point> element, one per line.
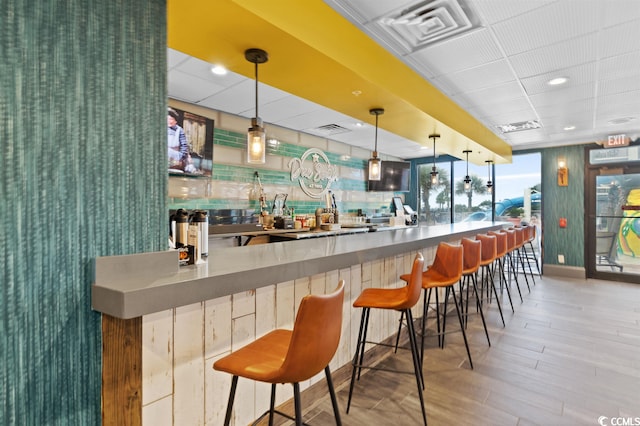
<point>310,59</point>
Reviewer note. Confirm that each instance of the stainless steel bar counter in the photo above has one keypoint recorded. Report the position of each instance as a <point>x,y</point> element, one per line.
<point>131,286</point>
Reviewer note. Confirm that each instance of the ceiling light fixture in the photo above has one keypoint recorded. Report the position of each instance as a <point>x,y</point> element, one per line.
<point>567,128</point>
<point>467,179</point>
<point>218,70</point>
<point>375,164</point>
<point>557,81</point>
<point>434,170</point>
<point>256,134</point>
<point>489,183</point>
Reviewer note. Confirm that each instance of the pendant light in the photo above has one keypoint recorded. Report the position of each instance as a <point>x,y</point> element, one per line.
<point>489,183</point>
<point>375,164</point>
<point>434,170</point>
<point>467,179</point>
<point>256,134</point>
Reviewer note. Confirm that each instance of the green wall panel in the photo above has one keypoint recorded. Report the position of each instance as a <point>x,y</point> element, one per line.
<point>563,202</point>
<point>83,174</point>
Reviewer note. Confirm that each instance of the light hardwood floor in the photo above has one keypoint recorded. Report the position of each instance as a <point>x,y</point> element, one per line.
<point>568,355</point>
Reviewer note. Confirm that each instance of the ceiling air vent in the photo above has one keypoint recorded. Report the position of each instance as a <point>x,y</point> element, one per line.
<point>427,22</point>
<point>519,126</point>
<point>330,129</point>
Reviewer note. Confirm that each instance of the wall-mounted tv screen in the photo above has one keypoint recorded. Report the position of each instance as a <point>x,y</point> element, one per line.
<point>396,176</point>
<point>189,143</point>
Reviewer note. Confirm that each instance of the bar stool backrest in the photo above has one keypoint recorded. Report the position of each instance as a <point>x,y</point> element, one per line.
<point>488,247</point>
<point>448,261</point>
<point>501,242</point>
<point>315,336</point>
<point>511,239</point>
<point>519,236</point>
<point>414,287</point>
<point>472,252</point>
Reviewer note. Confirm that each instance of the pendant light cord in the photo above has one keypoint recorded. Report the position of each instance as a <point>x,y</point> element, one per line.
<point>256,64</point>
<point>376,142</point>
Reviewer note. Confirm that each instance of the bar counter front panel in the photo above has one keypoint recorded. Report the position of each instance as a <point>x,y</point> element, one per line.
<point>193,315</point>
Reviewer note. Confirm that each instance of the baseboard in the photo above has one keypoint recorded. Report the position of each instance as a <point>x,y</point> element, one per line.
<point>564,271</point>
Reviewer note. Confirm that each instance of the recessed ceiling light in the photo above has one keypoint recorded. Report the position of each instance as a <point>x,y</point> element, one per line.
<point>218,70</point>
<point>359,124</point>
<point>557,81</point>
<point>570,128</point>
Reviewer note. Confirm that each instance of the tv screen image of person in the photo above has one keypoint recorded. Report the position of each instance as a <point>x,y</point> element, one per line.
<point>395,176</point>
<point>189,143</point>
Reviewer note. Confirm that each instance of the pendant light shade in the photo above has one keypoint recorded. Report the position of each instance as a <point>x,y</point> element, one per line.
<point>375,164</point>
<point>434,170</point>
<point>467,179</point>
<point>489,183</point>
<point>256,136</point>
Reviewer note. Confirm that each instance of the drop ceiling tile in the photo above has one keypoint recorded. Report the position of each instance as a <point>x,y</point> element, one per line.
<point>618,85</point>
<point>626,98</point>
<point>619,11</point>
<point>556,128</point>
<point>311,120</point>
<point>287,107</point>
<point>500,93</point>
<point>527,136</point>
<point>240,98</point>
<point>580,110</point>
<point>492,107</point>
<point>564,95</point>
<point>174,58</point>
<point>485,75</point>
<point>492,119</point>
<point>544,26</point>
<point>620,66</point>
<point>559,56</point>
<point>472,49</point>
<point>619,39</point>
<point>189,88</point>
<point>202,70</point>
<point>492,11</point>
<point>367,10</point>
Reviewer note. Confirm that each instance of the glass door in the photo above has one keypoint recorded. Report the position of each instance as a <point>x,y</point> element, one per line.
<point>613,248</point>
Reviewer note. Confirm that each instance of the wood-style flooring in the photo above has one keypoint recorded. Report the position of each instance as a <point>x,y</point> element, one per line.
<point>569,355</point>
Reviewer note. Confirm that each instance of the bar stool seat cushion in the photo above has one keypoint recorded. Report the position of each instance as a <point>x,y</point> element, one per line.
<point>285,356</point>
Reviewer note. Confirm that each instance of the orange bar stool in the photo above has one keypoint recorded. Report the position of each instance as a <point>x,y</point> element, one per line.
<point>399,299</point>
<point>526,254</point>
<point>291,356</point>
<point>531,237</point>
<point>501,253</point>
<point>519,253</point>
<point>472,255</point>
<point>488,257</point>
<point>511,248</point>
<point>445,272</point>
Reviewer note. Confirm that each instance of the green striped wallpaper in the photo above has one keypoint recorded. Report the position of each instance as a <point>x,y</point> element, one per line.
<point>563,201</point>
<point>83,103</point>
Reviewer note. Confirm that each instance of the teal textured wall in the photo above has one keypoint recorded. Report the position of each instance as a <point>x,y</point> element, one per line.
<point>563,201</point>
<point>83,174</point>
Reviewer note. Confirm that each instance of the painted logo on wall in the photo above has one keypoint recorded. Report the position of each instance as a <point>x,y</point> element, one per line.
<point>314,172</point>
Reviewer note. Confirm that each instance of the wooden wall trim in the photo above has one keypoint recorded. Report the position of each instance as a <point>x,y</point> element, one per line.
<point>121,371</point>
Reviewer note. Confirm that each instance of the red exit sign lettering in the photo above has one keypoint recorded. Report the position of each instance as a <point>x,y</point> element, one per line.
<point>614,141</point>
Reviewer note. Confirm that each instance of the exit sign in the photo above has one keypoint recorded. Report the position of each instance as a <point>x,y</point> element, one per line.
<point>615,141</point>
